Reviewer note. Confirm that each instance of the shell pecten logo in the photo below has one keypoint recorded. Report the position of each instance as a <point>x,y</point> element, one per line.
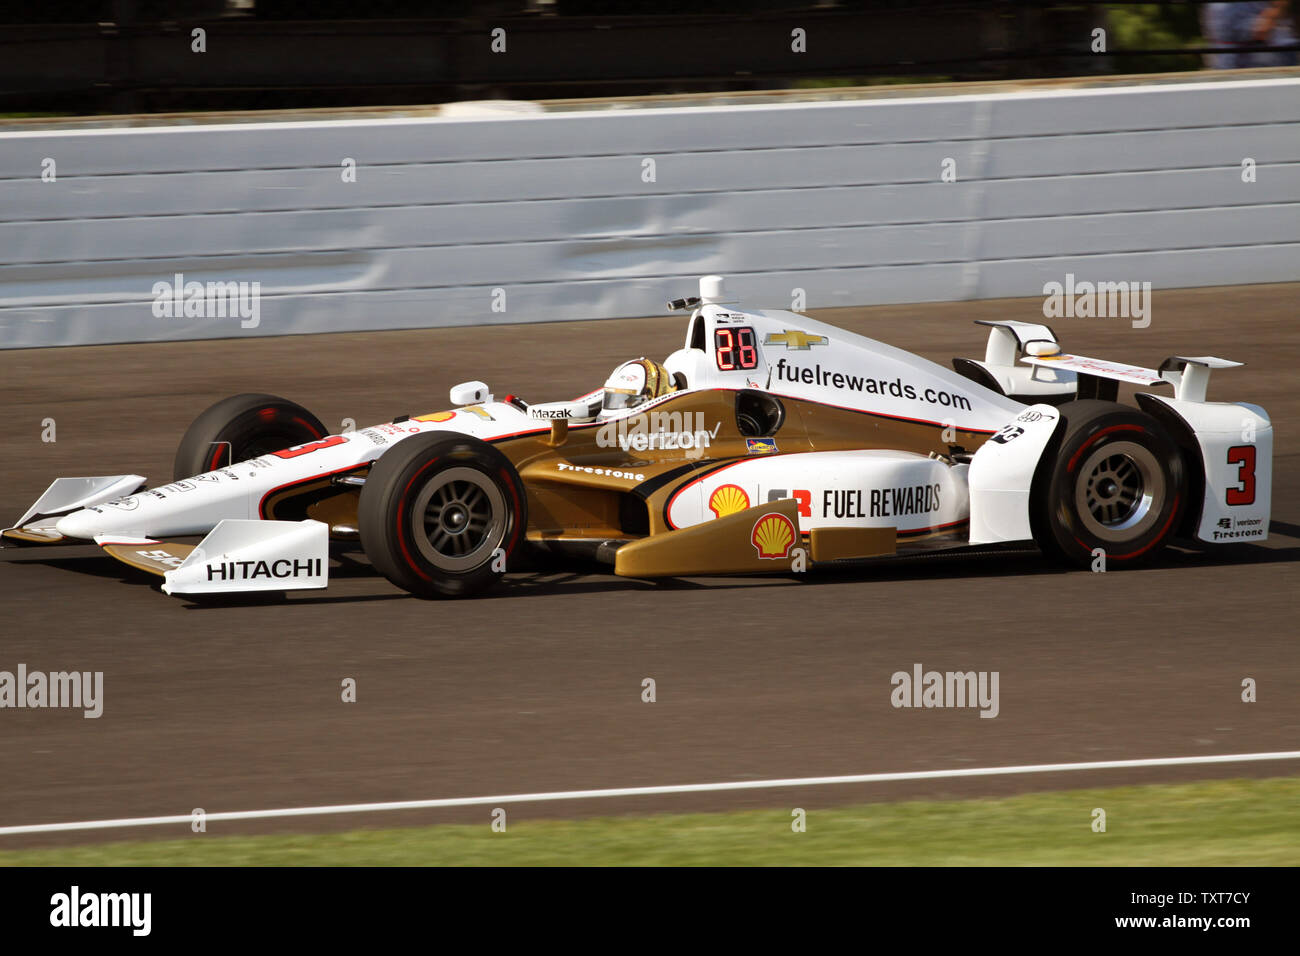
<point>436,417</point>
<point>773,535</point>
<point>727,500</point>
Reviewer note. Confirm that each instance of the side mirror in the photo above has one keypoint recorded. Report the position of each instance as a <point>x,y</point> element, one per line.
<point>559,414</point>
<point>560,411</point>
<point>470,393</point>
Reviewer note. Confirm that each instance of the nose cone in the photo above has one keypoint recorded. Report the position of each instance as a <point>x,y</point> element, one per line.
<point>85,523</point>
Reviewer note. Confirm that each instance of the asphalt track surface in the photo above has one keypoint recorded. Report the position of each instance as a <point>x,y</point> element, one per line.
<point>538,687</point>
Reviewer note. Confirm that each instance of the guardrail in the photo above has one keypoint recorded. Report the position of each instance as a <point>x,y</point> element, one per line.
<point>574,215</point>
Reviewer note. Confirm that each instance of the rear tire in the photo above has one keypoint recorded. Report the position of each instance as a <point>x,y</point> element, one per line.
<point>1116,483</point>
<point>442,514</point>
<point>252,425</point>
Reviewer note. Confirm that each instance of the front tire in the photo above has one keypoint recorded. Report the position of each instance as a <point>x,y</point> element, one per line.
<point>1117,483</point>
<point>442,514</point>
<point>242,427</point>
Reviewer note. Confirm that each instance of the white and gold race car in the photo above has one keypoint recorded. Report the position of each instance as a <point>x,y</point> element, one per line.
<point>769,442</point>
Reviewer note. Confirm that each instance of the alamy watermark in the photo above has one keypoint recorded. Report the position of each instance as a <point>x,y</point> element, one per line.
<point>1102,300</point>
<point>211,300</point>
<point>77,908</point>
<point>35,689</point>
<point>946,689</point>
<point>659,431</point>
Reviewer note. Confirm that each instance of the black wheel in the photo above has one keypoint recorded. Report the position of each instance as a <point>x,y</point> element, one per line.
<point>442,514</point>
<point>243,427</point>
<point>1116,482</point>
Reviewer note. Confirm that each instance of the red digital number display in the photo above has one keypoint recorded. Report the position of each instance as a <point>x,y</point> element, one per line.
<point>735,348</point>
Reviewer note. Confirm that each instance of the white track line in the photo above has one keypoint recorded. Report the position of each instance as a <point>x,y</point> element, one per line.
<point>648,791</point>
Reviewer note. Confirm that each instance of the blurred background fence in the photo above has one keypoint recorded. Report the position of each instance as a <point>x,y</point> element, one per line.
<point>396,217</point>
<point>126,56</point>
<point>584,214</point>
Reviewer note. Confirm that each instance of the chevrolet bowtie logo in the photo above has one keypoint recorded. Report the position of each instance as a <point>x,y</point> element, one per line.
<point>794,339</point>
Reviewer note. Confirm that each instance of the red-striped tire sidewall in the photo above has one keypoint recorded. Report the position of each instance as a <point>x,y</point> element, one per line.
<point>246,422</point>
<point>1090,426</point>
<point>386,521</point>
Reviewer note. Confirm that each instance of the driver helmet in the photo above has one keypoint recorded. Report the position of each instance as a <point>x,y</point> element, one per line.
<point>634,383</point>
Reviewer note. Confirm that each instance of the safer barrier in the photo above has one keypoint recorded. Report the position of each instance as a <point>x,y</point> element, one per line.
<point>606,213</point>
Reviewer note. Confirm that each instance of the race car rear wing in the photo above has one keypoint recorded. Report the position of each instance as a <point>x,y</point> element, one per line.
<point>1189,376</point>
<point>1193,374</point>
<point>1054,376</point>
<point>1228,446</point>
<point>1008,340</point>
